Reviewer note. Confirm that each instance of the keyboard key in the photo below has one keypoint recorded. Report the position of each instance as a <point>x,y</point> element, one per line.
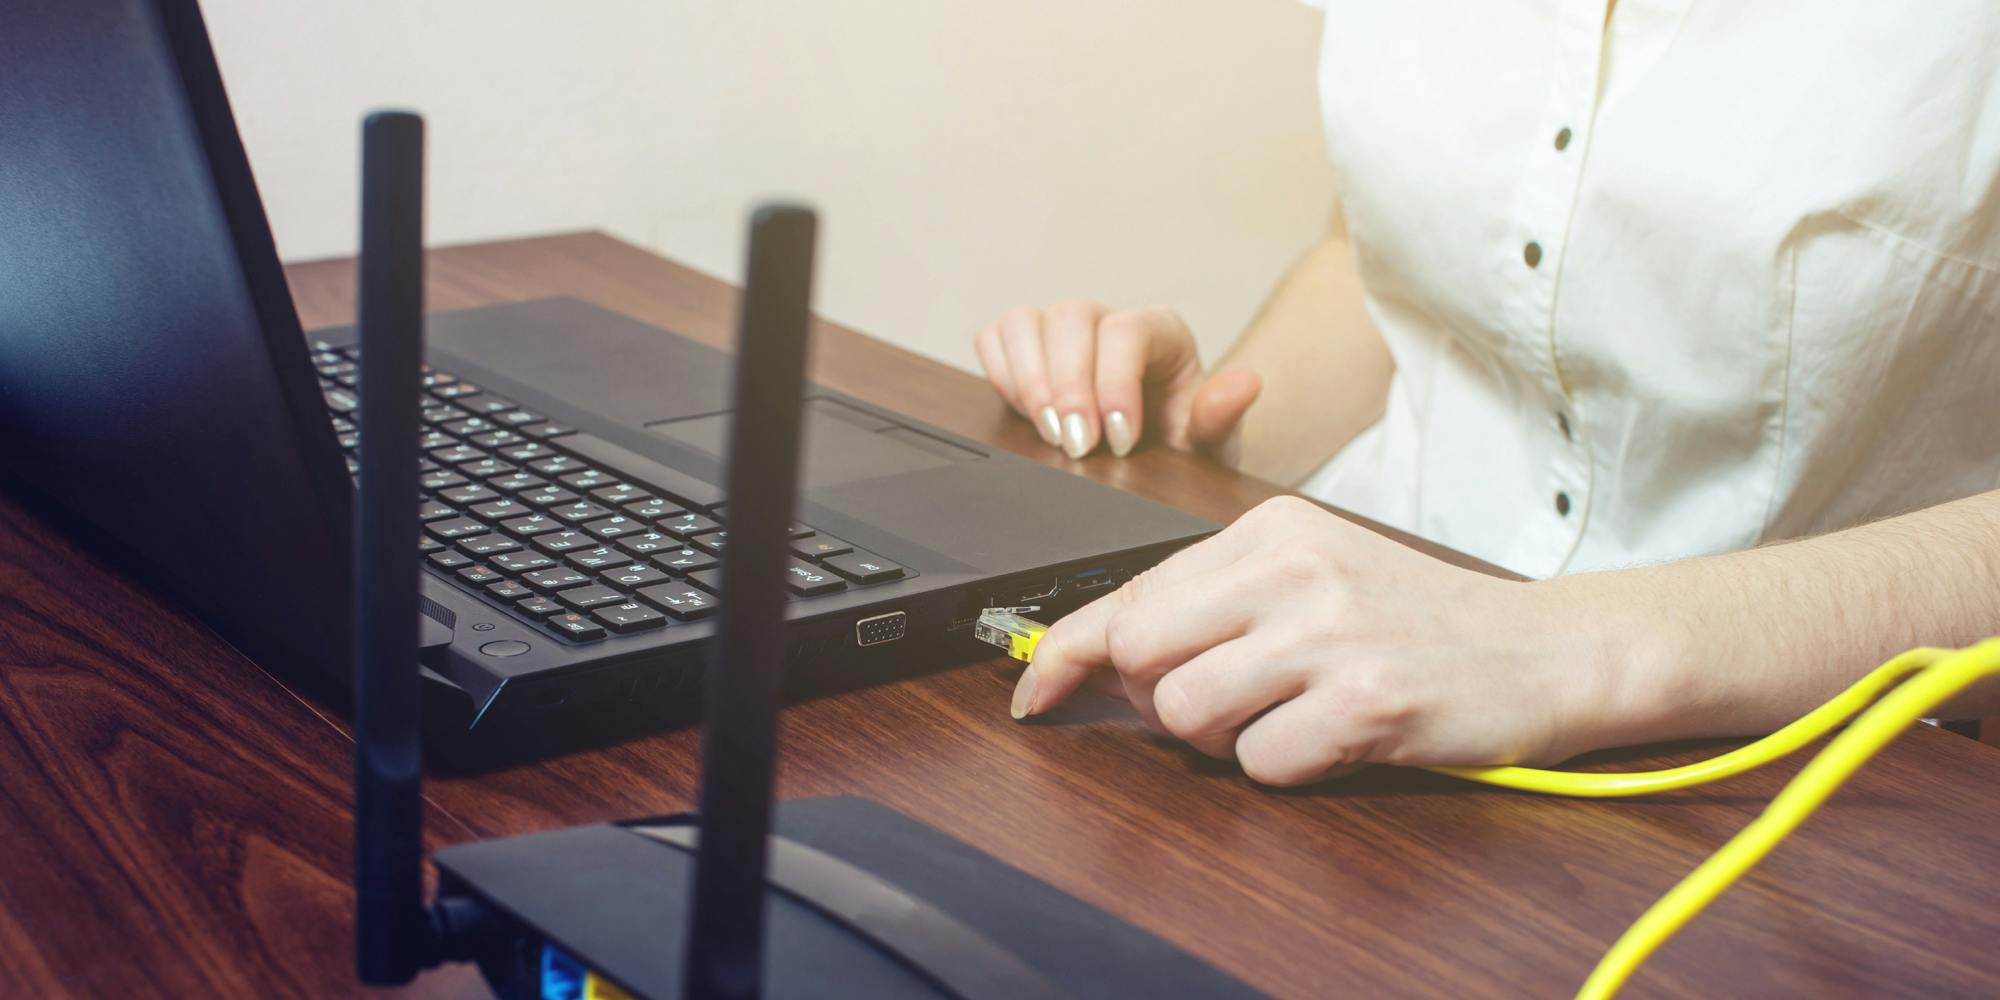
<point>349,441</point>
<point>342,425</point>
<point>456,390</point>
<point>558,542</point>
<point>580,511</point>
<point>588,479</point>
<point>521,562</point>
<point>684,560</point>
<point>486,468</point>
<point>456,454</point>
<point>685,603</point>
<point>519,417</point>
<point>821,546</point>
<point>481,546</point>
<point>560,465</point>
<point>433,440</point>
<point>600,558</point>
<point>707,579</point>
<point>540,607</point>
<point>517,481</point>
<point>546,430</point>
<point>497,439</point>
<point>528,451</point>
<point>646,543</point>
<point>458,527</point>
<point>629,617</point>
<point>635,575</point>
<point>432,510</point>
<point>467,495</point>
<point>577,627</point>
<point>469,426</point>
<point>530,526</point>
<point>619,494</point>
<point>585,598</point>
<point>547,496</point>
<point>808,580</point>
<point>448,559</point>
<point>480,574</point>
<point>500,510</point>
<point>485,404</point>
<point>688,525</point>
<point>712,542</point>
<point>344,401</point>
<point>651,509</point>
<point>798,530</point>
<point>434,378</point>
<point>556,578</point>
<point>614,526</point>
<point>863,566</point>
<point>439,413</point>
<point>427,545</point>
<point>508,590</point>
<point>441,479</point>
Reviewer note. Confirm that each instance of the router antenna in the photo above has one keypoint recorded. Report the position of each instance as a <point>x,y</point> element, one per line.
<point>394,936</point>
<point>739,730</point>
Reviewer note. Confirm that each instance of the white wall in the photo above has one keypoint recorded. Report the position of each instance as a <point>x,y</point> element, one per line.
<point>965,155</point>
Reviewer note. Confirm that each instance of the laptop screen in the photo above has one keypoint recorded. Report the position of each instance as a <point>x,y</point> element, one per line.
<point>153,379</point>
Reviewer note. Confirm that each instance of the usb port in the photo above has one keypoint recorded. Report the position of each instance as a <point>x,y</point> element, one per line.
<point>881,628</point>
<point>1085,581</point>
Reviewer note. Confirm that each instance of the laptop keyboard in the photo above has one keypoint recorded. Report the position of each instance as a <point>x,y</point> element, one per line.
<point>581,550</point>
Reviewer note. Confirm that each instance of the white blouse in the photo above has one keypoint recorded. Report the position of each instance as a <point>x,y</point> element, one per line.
<point>1699,275</point>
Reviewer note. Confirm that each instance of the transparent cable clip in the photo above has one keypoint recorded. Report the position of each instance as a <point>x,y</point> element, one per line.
<point>1008,629</point>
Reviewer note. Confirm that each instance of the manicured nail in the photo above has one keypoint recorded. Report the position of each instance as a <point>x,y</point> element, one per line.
<point>1050,425</point>
<point>1024,694</point>
<point>1118,431</point>
<point>1074,443</point>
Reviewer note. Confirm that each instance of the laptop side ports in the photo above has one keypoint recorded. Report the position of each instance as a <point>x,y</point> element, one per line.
<point>881,628</point>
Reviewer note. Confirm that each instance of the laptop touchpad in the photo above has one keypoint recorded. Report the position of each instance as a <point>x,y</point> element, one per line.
<point>842,444</point>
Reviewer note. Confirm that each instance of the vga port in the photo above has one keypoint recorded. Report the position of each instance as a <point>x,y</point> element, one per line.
<point>881,628</point>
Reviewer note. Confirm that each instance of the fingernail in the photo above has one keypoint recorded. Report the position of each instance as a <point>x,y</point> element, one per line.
<point>1050,425</point>
<point>1118,431</point>
<point>1024,694</point>
<point>1074,443</point>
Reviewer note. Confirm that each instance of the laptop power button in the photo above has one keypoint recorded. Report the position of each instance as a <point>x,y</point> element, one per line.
<point>505,647</point>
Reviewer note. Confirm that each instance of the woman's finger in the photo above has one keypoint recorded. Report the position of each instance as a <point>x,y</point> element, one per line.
<point>1021,342</point>
<point>1069,336</point>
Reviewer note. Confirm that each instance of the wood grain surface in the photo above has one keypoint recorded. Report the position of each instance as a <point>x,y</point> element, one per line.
<point>174,819</point>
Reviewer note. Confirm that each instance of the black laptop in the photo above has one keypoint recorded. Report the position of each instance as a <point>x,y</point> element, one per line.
<point>157,391</point>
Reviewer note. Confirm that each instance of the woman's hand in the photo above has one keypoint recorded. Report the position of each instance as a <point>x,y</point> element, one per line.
<point>1300,644</point>
<point>1082,373</point>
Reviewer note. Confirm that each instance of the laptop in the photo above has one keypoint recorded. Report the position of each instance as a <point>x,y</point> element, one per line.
<point>159,397</point>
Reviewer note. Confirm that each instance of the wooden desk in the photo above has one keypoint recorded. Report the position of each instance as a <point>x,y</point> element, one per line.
<point>174,820</point>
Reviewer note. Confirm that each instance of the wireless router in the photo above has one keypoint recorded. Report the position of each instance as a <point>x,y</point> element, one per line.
<point>830,897</point>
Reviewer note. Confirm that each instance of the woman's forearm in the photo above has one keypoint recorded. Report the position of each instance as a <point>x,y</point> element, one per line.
<point>1325,368</point>
<point>1744,642</point>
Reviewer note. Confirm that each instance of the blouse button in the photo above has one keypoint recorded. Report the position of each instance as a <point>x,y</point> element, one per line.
<point>1562,140</point>
<point>1532,253</point>
<point>1562,504</point>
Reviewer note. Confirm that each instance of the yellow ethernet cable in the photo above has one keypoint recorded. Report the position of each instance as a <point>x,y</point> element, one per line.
<point>1809,727</point>
<point>1931,686</point>
<point>1921,679</point>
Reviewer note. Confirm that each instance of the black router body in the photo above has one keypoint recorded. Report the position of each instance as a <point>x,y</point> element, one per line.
<point>853,899</point>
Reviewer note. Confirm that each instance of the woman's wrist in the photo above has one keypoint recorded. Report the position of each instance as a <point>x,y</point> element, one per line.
<point>1638,673</point>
